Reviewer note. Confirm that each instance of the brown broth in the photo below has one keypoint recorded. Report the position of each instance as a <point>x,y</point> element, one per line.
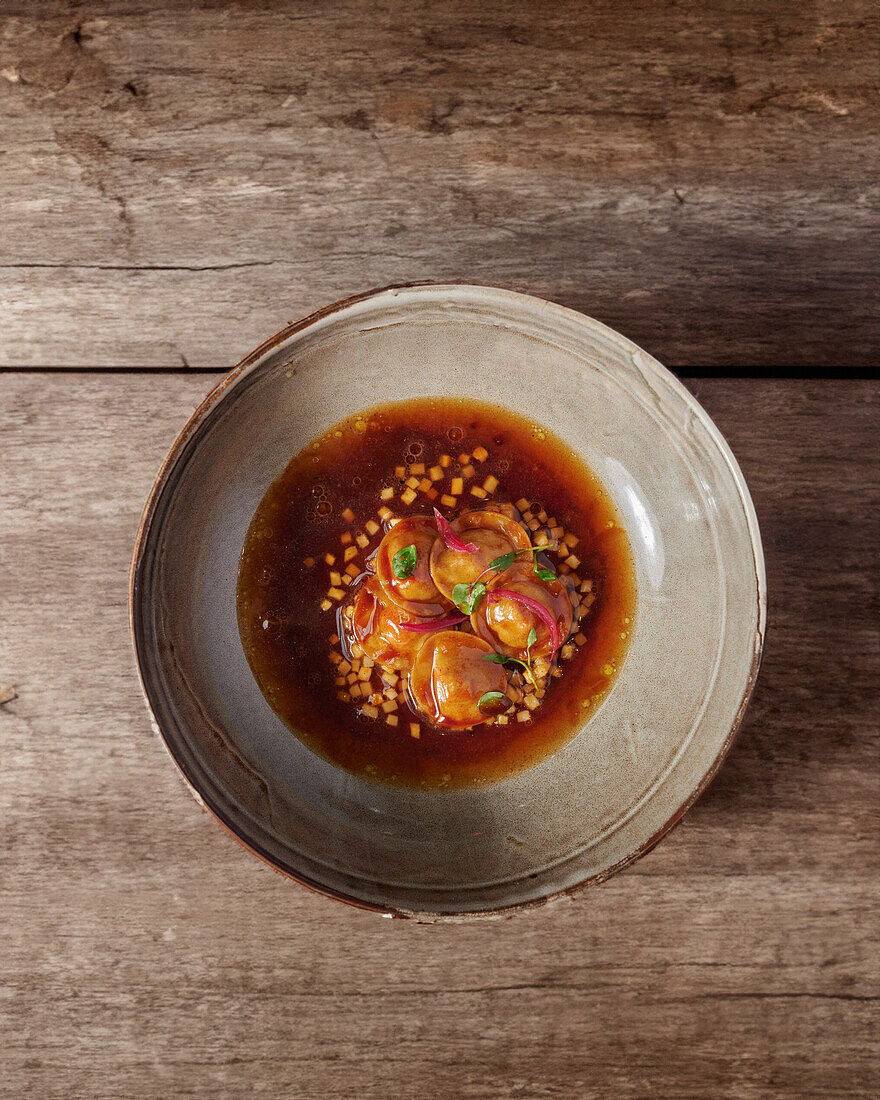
<point>300,517</point>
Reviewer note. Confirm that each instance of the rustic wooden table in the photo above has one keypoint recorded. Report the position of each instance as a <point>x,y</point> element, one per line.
<point>183,178</point>
<point>178,181</point>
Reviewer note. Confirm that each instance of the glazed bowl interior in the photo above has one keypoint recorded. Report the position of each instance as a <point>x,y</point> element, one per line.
<point>642,757</point>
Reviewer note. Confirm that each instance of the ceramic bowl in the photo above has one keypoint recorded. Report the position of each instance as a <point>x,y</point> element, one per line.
<point>640,760</point>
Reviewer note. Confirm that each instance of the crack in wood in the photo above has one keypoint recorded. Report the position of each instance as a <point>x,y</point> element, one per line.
<point>145,267</point>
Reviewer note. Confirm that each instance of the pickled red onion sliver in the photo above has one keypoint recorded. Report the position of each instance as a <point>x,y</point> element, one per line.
<point>450,538</point>
<point>434,624</point>
<point>535,606</point>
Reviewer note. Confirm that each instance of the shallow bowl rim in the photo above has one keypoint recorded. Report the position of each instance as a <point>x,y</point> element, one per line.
<point>178,449</point>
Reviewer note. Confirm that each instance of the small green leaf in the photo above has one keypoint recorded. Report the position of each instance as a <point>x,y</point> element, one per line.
<point>493,702</point>
<point>477,593</point>
<point>460,595</point>
<point>544,574</point>
<point>532,638</point>
<point>503,659</point>
<point>526,667</point>
<point>403,563</point>
<point>467,596</point>
<point>504,562</point>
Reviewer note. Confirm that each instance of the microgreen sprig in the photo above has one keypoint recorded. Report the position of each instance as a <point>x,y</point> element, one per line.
<point>506,560</point>
<point>526,665</point>
<point>466,597</point>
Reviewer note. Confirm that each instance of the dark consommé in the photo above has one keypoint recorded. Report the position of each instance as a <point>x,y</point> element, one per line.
<point>328,500</point>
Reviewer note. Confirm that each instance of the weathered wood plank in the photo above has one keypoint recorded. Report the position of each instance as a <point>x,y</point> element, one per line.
<point>179,180</point>
<point>143,953</point>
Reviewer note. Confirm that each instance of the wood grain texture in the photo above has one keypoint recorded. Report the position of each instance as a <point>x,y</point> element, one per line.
<point>181,179</point>
<point>143,953</point>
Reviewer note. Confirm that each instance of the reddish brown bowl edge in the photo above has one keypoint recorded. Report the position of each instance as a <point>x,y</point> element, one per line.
<point>170,460</point>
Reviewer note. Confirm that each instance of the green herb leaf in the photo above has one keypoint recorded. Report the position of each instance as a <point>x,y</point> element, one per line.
<point>502,659</point>
<point>467,596</point>
<point>477,593</point>
<point>504,562</point>
<point>544,574</point>
<point>403,564</point>
<point>460,595</point>
<point>532,638</point>
<point>493,702</point>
